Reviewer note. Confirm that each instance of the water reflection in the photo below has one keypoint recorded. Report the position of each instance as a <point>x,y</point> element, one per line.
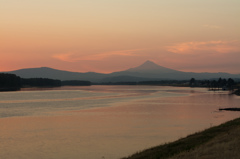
<point>113,123</point>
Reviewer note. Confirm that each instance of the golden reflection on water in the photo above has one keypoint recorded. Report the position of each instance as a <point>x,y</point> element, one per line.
<point>110,132</point>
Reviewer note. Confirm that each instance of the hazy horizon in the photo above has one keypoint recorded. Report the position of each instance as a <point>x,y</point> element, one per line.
<point>108,36</point>
<point>114,71</point>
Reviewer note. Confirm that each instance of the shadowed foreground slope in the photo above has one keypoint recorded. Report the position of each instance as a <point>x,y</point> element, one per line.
<point>217,142</point>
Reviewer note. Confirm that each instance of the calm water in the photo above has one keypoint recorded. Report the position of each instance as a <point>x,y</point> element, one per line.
<point>108,122</point>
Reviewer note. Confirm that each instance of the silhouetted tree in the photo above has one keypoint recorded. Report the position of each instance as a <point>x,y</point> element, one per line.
<point>208,83</point>
<point>219,83</point>
<point>230,83</point>
<point>214,84</point>
<point>192,82</point>
<point>224,82</point>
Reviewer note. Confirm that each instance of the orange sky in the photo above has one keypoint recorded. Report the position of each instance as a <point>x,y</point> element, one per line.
<point>106,35</point>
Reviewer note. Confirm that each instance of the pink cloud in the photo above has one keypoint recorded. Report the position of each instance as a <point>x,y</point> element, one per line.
<point>67,57</point>
<point>201,47</point>
<point>75,57</point>
<point>212,26</point>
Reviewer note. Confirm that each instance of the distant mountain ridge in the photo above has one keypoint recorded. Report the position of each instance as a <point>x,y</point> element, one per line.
<point>148,71</point>
<point>46,72</point>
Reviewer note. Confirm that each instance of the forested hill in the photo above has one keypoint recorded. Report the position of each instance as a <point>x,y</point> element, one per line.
<point>9,82</point>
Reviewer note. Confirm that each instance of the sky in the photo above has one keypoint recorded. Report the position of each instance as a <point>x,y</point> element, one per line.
<point>114,35</point>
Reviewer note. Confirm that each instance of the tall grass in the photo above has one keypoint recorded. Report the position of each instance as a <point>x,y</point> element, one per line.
<point>186,144</point>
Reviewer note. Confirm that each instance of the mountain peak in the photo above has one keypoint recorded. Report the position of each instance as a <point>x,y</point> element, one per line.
<point>150,66</point>
<point>148,62</point>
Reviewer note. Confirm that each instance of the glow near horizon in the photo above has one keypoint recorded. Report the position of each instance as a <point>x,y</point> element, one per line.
<point>106,35</point>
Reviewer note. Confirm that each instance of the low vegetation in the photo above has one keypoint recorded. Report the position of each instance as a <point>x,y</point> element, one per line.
<point>192,143</point>
<point>223,146</point>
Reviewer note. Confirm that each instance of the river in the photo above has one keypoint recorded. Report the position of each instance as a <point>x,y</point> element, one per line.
<point>110,122</point>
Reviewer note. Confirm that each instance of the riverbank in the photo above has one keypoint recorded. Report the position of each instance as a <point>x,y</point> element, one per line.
<point>221,141</point>
<point>237,92</point>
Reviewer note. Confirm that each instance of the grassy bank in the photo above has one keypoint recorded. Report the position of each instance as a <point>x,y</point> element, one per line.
<point>194,145</point>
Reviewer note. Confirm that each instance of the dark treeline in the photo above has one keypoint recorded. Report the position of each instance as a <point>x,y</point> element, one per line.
<point>76,83</point>
<point>165,83</point>
<point>117,83</point>
<point>9,82</point>
<point>45,82</point>
<point>160,82</point>
<point>40,82</point>
<point>215,84</point>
